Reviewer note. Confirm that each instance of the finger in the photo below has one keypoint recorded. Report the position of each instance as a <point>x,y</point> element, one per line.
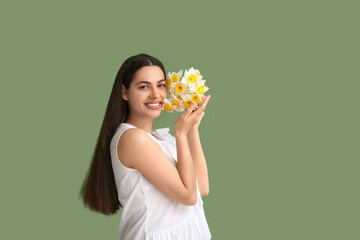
<point>188,111</point>
<point>197,117</point>
<point>203,105</point>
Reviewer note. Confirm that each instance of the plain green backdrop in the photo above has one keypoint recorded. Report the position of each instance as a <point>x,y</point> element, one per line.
<point>280,134</point>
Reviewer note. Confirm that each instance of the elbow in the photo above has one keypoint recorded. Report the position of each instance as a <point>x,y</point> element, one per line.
<point>204,193</point>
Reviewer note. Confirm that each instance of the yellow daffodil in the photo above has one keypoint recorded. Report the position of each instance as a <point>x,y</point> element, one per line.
<point>188,103</point>
<point>180,88</point>
<point>200,90</point>
<point>177,103</point>
<point>168,82</point>
<point>174,77</point>
<point>191,75</point>
<point>167,105</point>
<point>187,98</point>
<point>195,98</point>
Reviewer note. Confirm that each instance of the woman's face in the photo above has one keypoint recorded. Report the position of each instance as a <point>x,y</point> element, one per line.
<point>146,92</point>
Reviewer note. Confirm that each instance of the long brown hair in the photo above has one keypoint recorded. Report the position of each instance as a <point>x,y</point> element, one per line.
<point>98,191</point>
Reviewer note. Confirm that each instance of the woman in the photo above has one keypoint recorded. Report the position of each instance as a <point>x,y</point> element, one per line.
<point>158,179</point>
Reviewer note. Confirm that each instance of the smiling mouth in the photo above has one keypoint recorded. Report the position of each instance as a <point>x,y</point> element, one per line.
<point>152,104</point>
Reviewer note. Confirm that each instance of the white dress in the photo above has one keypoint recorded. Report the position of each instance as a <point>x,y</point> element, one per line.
<point>147,213</point>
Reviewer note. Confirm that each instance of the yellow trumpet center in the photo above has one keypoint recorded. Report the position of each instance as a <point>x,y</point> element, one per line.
<point>174,78</point>
<point>192,78</point>
<point>175,103</point>
<point>188,103</point>
<point>168,108</point>
<point>195,98</point>
<point>179,88</point>
<point>168,82</point>
<point>200,90</point>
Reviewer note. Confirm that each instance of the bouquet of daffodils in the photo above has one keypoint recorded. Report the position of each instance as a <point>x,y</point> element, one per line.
<point>185,92</point>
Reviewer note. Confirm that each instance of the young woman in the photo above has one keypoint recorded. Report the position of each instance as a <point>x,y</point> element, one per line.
<point>157,178</point>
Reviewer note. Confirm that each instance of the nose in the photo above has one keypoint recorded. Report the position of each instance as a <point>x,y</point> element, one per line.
<point>155,93</point>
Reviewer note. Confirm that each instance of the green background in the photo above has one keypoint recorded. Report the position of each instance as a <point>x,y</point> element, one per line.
<point>280,134</point>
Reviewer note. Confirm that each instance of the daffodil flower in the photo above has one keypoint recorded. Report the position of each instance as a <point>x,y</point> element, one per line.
<point>177,103</point>
<point>179,88</point>
<point>173,77</point>
<point>187,98</point>
<point>167,105</point>
<point>191,75</point>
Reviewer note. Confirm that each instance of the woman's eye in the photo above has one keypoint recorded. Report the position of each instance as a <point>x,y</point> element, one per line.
<point>146,87</point>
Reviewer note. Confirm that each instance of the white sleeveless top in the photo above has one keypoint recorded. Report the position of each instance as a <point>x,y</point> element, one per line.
<point>147,213</point>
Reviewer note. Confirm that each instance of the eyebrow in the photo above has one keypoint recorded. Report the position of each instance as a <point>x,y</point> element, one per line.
<point>146,82</point>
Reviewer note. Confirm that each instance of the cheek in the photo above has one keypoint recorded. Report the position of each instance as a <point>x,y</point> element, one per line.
<point>164,92</point>
<point>135,98</point>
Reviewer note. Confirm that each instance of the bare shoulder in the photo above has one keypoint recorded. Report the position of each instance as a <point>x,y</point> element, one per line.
<point>131,142</point>
<point>133,134</point>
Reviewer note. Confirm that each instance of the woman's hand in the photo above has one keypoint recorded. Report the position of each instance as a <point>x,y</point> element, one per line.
<point>190,118</point>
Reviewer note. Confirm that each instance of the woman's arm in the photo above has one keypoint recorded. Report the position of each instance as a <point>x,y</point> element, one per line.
<point>199,160</point>
<point>137,150</point>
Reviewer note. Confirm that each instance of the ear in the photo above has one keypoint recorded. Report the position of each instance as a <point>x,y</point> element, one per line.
<point>124,93</point>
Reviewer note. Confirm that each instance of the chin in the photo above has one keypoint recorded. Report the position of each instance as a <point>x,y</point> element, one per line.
<point>154,114</point>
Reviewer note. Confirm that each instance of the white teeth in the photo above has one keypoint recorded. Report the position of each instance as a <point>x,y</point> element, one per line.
<point>152,105</point>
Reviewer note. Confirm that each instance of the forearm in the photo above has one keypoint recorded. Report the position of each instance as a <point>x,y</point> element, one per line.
<point>185,164</point>
<point>199,160</point>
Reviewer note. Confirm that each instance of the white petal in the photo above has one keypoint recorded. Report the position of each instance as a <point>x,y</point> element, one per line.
<point>180,73</point>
